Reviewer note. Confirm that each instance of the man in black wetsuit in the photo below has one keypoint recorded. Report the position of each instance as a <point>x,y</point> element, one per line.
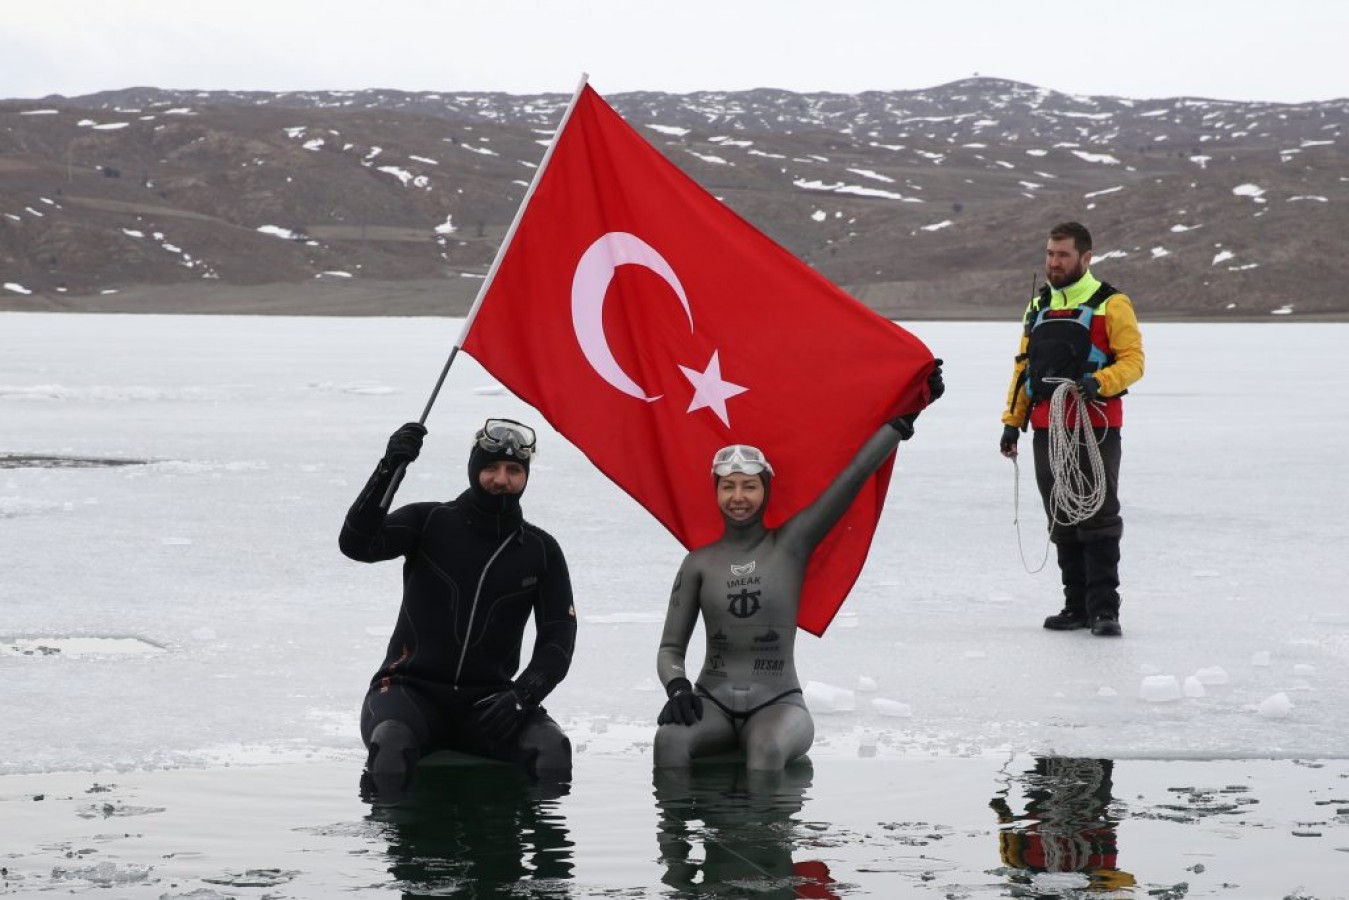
<point>474,571</point>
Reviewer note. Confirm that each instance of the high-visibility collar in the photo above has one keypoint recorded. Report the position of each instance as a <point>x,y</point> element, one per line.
<point>1075,294</point>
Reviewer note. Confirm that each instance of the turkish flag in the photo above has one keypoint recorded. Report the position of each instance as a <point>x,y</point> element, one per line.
<point>651,325</point>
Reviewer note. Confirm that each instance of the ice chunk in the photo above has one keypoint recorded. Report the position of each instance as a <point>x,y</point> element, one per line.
<point>866,684</point>
<point>1194,687</point>
<point>1303,670</point>
<point>1275,706</point>
<point>1159,688</point>
<point>1212,675</point>
<point>1107,692</point>
<point>828,698</point>
<point>892,708</point>
<point>1260,658</point>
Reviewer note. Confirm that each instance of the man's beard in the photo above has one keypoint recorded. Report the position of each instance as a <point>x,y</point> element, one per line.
<point>1069,277</point>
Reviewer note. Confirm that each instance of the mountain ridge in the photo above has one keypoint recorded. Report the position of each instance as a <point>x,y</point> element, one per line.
<point>925,203</point>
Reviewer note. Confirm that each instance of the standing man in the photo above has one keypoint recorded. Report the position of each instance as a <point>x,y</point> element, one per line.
<point>474,571</point>
<point>1083,330</point>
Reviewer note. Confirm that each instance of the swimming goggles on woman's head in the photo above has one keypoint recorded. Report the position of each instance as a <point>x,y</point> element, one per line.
<point>508,435</point>
<point>740,458</point>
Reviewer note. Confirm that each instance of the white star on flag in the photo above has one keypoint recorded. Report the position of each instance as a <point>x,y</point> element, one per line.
<point>710,391</point>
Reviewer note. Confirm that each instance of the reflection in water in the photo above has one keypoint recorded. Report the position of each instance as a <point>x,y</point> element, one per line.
<point>743,823</point>
<point>1068,827</point>
<point>478,831</point>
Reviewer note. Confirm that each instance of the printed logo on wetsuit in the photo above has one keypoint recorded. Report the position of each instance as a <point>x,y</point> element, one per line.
<point>742,575</point>
<point>529,582</point>
<point>768,637</point>
<point>770,666</point>
<point>744,604</point>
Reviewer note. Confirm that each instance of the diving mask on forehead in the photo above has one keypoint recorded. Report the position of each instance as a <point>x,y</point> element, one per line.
<point>506,436</point>
<point>742,459</point>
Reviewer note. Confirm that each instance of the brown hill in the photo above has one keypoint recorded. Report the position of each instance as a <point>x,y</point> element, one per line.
<point>922,204</point>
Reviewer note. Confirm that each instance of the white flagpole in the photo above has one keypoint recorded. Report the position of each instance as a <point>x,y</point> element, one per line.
<point>491,275</point>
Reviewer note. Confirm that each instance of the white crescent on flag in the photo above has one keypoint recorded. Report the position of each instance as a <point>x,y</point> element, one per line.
<point>589,285</point>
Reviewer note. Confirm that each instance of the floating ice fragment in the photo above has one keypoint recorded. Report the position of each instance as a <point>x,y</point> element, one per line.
<point>845,620</point>
<point>489,391</point>
<point>1159,689</point>
<point>1275,706</point>
<point>1260,658</point>
<point>892,708</point>
<point>648,685</point>
<point>1212,675</point>
<point>1107,692</point>
<point>828,698</point>
<point>974,654</point>
<point>866,684</point>
<point>1304,670</point>
<point>176,541</point>
<point>1205,573</point>
<point>1194,687</point>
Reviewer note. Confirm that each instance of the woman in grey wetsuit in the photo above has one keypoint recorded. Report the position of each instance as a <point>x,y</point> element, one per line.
<point>747,587</point>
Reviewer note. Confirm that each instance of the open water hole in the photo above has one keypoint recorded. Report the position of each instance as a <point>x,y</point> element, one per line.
<point>976,827</point>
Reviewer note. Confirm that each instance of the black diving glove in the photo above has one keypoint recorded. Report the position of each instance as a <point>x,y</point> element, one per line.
<point>502,714</point>
<point>936,386</point>
<point>1089,387</point>
<point>1010,435</point>
<point>405,445</point>
<point>684,706</point>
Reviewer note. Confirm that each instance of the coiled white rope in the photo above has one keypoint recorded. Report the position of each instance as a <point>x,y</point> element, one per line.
<point>1078,493</point>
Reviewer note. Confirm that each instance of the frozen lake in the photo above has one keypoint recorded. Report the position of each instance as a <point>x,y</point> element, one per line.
<point>194,609</point>
<point>172,602</point>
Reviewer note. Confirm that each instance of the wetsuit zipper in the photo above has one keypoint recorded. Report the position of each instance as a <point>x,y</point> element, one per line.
<point>473,609</point>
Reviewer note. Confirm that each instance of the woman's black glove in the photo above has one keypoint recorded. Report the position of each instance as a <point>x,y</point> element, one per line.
<point>684,706</point>
<point>936,386</point>
<point>405,445</point>
<point>500,715</point>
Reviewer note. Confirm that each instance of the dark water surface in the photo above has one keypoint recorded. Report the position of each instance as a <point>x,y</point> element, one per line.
<point>985,827</point>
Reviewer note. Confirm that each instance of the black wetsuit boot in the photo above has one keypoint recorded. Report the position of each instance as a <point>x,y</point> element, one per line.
<point>1103,586</point>
<point>1073,568</point>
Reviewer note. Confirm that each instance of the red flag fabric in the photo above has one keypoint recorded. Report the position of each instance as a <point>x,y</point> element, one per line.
<point>651,325</point>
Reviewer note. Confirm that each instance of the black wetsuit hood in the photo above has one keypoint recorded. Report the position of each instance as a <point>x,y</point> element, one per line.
<point>505,506</point>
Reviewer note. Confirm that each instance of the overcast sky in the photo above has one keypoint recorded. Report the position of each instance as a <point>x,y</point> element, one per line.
<point>1288,51</point>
